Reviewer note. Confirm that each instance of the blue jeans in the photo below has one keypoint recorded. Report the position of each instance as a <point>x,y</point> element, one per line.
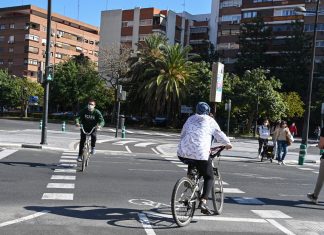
<point>282,148</point>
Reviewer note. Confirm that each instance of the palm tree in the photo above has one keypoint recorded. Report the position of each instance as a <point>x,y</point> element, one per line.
<point>165,91</point>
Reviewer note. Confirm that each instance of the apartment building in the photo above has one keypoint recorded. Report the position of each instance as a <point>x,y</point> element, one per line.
<point>23,39</point>
<point>132,26</point>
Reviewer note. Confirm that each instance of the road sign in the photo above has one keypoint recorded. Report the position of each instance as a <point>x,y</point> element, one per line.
<point>216,88</point>
<point>186,109</point>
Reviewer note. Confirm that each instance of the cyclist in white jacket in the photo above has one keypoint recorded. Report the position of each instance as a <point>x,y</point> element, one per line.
<point>195,142</point>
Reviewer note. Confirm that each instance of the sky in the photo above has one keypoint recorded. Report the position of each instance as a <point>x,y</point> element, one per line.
<point>90,10</point>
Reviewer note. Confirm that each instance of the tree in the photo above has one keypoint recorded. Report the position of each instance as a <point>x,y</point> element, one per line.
<point>254,95</point>
<point>75,81</point>
<point>255,38</point>
<point>29,88</point>
<point>295,58</point>
<point>8,89</point>
<point>294,104</point>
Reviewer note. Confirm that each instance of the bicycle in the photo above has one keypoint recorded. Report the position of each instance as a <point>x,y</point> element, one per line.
<point>187,192</point>
<point>86,149</point>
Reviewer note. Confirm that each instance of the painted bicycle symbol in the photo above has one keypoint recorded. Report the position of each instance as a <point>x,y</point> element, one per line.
<point>146,202</point>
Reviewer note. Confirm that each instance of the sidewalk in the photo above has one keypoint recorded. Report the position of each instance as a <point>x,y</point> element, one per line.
<point>247,150</point>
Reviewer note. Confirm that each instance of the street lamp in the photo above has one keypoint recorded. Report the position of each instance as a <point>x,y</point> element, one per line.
<point>305,132</point>
<point>47,73</point>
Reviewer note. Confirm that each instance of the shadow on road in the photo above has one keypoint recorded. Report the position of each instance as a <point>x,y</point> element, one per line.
<point>119,217</point>
<point>29,164</point>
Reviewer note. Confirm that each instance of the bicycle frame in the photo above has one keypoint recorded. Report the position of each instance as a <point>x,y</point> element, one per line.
<point>86,148</point>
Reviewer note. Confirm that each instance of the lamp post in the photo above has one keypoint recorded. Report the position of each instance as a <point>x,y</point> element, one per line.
<point>46,82</point>
<point>305,132</point>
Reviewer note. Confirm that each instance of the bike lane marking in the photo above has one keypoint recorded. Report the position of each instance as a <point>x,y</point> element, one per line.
<point>23,218</point>
<point>146,224</point>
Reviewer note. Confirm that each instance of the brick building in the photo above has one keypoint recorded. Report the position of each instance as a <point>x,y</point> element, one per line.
<point>23,39</point>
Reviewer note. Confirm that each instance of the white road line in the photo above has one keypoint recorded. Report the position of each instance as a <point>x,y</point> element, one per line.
<point>59,185</point>
<point>69,157</point>
<point>128,150</point>
<point>176,162</point>
<point>224,183</point>
<point>144,133</point>
<point>6,153</point>
<point>123,142</point>
<point>63,177</point>
<point>248,200</point>
<point>212,218</point>
<point>280,227</point>
<point>232,190</point>
<point>65,171</point>
<point>145,144</point>
<point>182,166</point>
<point>70,151</point>
<point>146,224</point>
<point>113,130</point>
<point>57,196</point>
<point>305,169</point>
<point>316,172</point>
<point>155,151</point>
<point>103,141</point>
<point>130,132</point>
<point>68,160</point>
<point>271,214</point>
<point>23,218</point>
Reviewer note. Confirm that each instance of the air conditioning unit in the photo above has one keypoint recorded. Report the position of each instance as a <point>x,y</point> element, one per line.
<point>59,36</point>
<point>52,34</point>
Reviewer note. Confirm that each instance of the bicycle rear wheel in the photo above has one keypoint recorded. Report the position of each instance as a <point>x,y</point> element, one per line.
<point>217,193</point>
<point>183,202</point>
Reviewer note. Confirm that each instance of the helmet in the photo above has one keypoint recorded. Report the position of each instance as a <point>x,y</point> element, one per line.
<point>202,108</point>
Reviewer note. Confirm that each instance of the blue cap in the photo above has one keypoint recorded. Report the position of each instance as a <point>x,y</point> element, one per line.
<point>202,108</point>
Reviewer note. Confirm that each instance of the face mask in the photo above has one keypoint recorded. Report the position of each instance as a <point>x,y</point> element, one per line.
<point>90,107</point>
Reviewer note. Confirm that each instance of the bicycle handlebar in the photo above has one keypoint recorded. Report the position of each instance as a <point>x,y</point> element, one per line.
<point>215,151</point>
<point>87,133</point>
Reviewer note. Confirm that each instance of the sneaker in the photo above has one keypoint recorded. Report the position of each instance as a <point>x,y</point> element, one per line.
<point>79,159</point>
<point>283,163</point>
<point>279,163</point>
<point>93,151</point>
<point>259,156</point>
<point>312,198</point>
<point>204,208</point>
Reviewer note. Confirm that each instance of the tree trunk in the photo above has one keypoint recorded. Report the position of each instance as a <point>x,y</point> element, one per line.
<point>26,110</point>
<point>250,121</point>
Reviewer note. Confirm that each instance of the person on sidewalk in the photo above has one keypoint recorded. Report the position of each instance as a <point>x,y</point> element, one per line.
<point>293,129</point>
<point>318,133</point>
<point>274,134</point>
<point>320,179</point>
<point>89,118</point>
<point>264,135</point>
<point>282,136</point>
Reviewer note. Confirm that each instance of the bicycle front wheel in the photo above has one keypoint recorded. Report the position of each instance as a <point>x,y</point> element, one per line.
<point>84,160</point>
<point>218,193</point>
<point>183,202</point>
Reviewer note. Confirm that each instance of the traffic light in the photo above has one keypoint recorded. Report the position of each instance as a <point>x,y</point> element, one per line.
<point>50,74</point>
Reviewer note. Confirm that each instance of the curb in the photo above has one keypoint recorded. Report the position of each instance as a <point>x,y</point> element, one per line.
<point>32,146</point>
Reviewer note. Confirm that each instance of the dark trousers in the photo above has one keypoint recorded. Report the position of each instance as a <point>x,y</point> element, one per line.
<point>205,169</point>
<point>83,139</point>
<point>262,142</point>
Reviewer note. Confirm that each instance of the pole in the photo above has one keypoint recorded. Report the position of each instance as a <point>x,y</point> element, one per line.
<point>118,106</point>
<point>305,132</point>
<point>256,117</point>
<point>46,84</point>
<point>229,115</point>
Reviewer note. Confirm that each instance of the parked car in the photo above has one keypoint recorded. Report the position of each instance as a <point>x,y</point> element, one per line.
<point>160,121</point>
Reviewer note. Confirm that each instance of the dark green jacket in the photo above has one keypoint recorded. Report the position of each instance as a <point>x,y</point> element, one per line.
<point>90,119</point>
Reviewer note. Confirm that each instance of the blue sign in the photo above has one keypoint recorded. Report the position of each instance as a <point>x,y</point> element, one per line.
<point>33,99</point>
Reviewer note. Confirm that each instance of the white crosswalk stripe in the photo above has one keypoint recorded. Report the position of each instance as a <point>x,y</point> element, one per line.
<point>57,196</point>
<point>63,177</point>
<point>145,144</point>
<point>248,200</point>
<point>123,142</point>
<point>6,152</point>
<point>60,185</point>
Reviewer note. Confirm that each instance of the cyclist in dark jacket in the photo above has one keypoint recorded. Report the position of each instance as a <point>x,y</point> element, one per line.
<point>89,118</point>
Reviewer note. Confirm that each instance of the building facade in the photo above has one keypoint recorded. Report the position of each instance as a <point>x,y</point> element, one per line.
<point>23,39</point>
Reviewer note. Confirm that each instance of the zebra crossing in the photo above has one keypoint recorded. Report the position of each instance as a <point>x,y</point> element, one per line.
<point>139,132</point>
<point>61,184</point>
<point>6,152</point>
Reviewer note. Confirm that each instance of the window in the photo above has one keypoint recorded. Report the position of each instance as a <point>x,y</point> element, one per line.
<point>10,62</point>
<point>310,27</point>
<point>284,12</point>
<point>2,26</point>
<point>91,52</point>
<point>10,50</point>
<point>126,38</point>
<point>11,39</point>
<point>91,42</point>
<point>249,14</point>
<point>142,37</point>
<point>1,50</point>
<point>319,43</point>
<point>59,44</point>
<point>2,38</point>
<point>58,55</point>
<point>146,22</point>
<point>232,18</point>
<point>127,23</point>
<point>1,62</point>
<point>31,37</point>
<point>231,3</point>
<point>79,49</point>
<point>30,61</point>
<point>31,49</point>
<point>11,26</point>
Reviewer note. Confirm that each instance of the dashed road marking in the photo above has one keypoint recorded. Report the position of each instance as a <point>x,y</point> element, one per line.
<point>63,177</point>
<point>280,227</point>
<point>60,185</point>
<point>248,200</point>
<point>69,157</point>
<point>6,153</point>
<point>146,224</point>
<point>68,160</point>
<point>65,170</point>
<point>271,214</point>
<point>144,144</point>
<point>57,196</point>
<point>123,142</point>
<point>155,151</point>
<point>305,169</point>
<point>232,190</point>
<point>128,150</point>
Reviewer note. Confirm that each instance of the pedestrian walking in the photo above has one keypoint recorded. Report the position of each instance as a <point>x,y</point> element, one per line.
<point>320,179</point>
<point>274,132</point>
<point>293,129</point>
<point>284,138</point>
<point>264,134</point>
